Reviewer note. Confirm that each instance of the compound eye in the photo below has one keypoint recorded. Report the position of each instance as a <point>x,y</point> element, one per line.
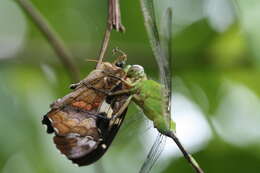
<point>120,64</point>
<point>138,68</point>
<point>136,71</point>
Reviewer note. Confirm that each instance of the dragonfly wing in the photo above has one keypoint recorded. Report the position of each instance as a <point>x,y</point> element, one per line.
<point>166,45</point>
<point>154,153</point>
<point>161,46</point>
<point>162,51</point>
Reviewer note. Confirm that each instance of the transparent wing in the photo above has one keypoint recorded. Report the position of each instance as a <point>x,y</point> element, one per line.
<point>161,47</point>
<point>154,154</point>
<point>166,44</point>
<point>162,51</point>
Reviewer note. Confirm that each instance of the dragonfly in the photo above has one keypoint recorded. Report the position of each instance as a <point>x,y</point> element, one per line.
<point>161,48</point>
<point>162,53</point>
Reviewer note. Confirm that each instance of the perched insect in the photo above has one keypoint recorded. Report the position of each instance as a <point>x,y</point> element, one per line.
<point>83,120</point>
<point>161,47</point>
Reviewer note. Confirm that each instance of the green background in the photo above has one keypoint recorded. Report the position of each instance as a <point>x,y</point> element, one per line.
<point>216,81</point>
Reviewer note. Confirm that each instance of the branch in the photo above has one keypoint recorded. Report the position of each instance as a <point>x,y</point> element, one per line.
<point>186,155</point>
<point>54,40</point>
<point>113,22</point>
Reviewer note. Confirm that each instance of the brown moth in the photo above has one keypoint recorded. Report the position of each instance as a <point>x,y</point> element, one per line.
<point>84,121</point>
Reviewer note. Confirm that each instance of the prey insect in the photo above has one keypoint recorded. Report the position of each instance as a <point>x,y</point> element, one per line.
<point>86,120</point>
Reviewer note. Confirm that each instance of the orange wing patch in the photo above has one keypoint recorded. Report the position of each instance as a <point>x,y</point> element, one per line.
<point>82,105</point>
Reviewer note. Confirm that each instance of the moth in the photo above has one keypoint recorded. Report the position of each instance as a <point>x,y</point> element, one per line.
<point>85,121</point>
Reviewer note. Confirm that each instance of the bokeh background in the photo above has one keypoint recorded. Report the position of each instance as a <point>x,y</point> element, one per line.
<point>215,84</point>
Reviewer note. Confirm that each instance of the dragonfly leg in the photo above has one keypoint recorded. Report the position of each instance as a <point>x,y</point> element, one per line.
<point>96,89</point>
<point>125,91</point>
<point>109,93</point>
<point>127,83</point>
<point>122,109</point>
<point>120,79</point>
<point>84,82</point>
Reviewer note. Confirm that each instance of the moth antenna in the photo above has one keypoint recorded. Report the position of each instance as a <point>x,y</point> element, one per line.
<point>122,55</point>
<point>91,60</point>
<point>119,51</point>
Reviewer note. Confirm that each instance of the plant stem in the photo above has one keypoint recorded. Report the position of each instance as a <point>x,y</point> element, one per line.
<point>113,22</point>
<point>186,155</point>
<point>54,40</point>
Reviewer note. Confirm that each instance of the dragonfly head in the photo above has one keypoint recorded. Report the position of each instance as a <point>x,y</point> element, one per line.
<point>136,72</point>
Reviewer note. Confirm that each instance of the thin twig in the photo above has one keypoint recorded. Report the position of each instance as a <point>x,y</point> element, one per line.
<point>113,22</point>
<point>186,155</point>
<point>52,37</point>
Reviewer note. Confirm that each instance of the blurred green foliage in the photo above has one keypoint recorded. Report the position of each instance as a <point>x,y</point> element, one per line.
<point>216,66</point>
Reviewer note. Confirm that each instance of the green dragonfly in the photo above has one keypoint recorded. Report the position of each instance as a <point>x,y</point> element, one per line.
<point>162,51</point>
<point>150,96</point>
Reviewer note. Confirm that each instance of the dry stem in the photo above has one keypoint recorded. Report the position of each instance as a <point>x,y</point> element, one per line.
<point>113,22</point>
<point>186,155</point>
<point>55,41</point>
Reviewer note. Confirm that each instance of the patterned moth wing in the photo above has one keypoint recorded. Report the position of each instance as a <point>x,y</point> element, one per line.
<point>107,125</point>
<point>81,120</point>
